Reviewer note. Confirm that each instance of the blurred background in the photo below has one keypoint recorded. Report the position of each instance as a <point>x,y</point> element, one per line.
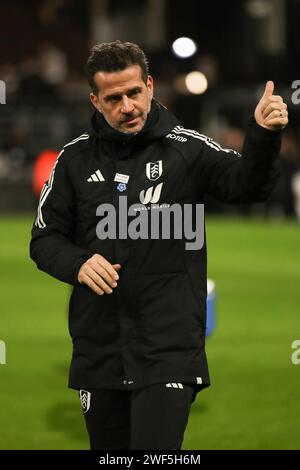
<point>210,62</point>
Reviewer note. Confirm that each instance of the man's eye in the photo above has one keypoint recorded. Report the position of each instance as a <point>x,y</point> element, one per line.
<point>134,93</point>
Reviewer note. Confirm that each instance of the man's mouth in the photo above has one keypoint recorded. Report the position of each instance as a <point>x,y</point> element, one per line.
<point>131,120</point>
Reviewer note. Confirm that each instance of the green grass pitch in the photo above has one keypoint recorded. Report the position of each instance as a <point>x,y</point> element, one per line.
<point>253,402</point>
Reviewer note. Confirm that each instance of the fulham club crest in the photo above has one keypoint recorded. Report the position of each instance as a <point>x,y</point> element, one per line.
<point>154,170</point>
<point>85,400</point>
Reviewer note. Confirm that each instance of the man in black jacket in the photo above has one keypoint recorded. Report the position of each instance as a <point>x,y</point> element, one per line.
<point>115,220</point>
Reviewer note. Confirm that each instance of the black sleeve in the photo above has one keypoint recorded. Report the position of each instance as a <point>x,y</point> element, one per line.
<point>52,245</point>
<point>236,178</point>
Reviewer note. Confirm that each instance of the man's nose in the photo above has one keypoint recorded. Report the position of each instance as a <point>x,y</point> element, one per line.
<point>127,105</point>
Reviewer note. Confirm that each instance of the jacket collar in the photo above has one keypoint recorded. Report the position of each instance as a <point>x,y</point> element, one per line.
<point>159,123</point>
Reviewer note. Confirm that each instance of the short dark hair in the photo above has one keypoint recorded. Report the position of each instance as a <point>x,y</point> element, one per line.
<point>113,57</point>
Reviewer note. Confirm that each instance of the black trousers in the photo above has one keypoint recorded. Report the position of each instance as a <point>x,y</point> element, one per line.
<point>154,417</point>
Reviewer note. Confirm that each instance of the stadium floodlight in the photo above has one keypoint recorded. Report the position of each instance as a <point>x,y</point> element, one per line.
<point>184,47</point>
<point>196,82</point>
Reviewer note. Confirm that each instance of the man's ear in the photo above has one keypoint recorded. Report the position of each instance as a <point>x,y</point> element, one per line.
<point>150,86</point>
<point>95,101</point>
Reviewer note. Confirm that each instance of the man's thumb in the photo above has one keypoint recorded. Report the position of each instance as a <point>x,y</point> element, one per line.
<point>268,89</point>
<point>116,266</point>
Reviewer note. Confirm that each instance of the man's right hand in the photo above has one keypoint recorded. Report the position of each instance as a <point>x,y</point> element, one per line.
<point>98,274</point>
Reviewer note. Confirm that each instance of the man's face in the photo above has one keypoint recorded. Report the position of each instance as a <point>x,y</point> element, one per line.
<point>123,98</point>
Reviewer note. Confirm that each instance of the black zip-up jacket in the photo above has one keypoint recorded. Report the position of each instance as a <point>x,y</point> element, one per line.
<point>152,327</point>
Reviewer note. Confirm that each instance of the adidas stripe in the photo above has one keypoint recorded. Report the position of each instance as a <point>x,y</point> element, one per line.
<point>39,222</point>
<point>174,385</point>
<point>207,140</point>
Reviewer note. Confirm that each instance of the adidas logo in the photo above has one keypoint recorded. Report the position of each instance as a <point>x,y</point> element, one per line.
<point>173,385</point>
<point>96,177</point>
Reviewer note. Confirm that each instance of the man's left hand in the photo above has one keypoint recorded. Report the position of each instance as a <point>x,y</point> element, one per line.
<point>271,112</point>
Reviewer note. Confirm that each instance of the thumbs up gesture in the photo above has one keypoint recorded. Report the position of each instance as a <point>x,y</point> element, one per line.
<point>271,112</point>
